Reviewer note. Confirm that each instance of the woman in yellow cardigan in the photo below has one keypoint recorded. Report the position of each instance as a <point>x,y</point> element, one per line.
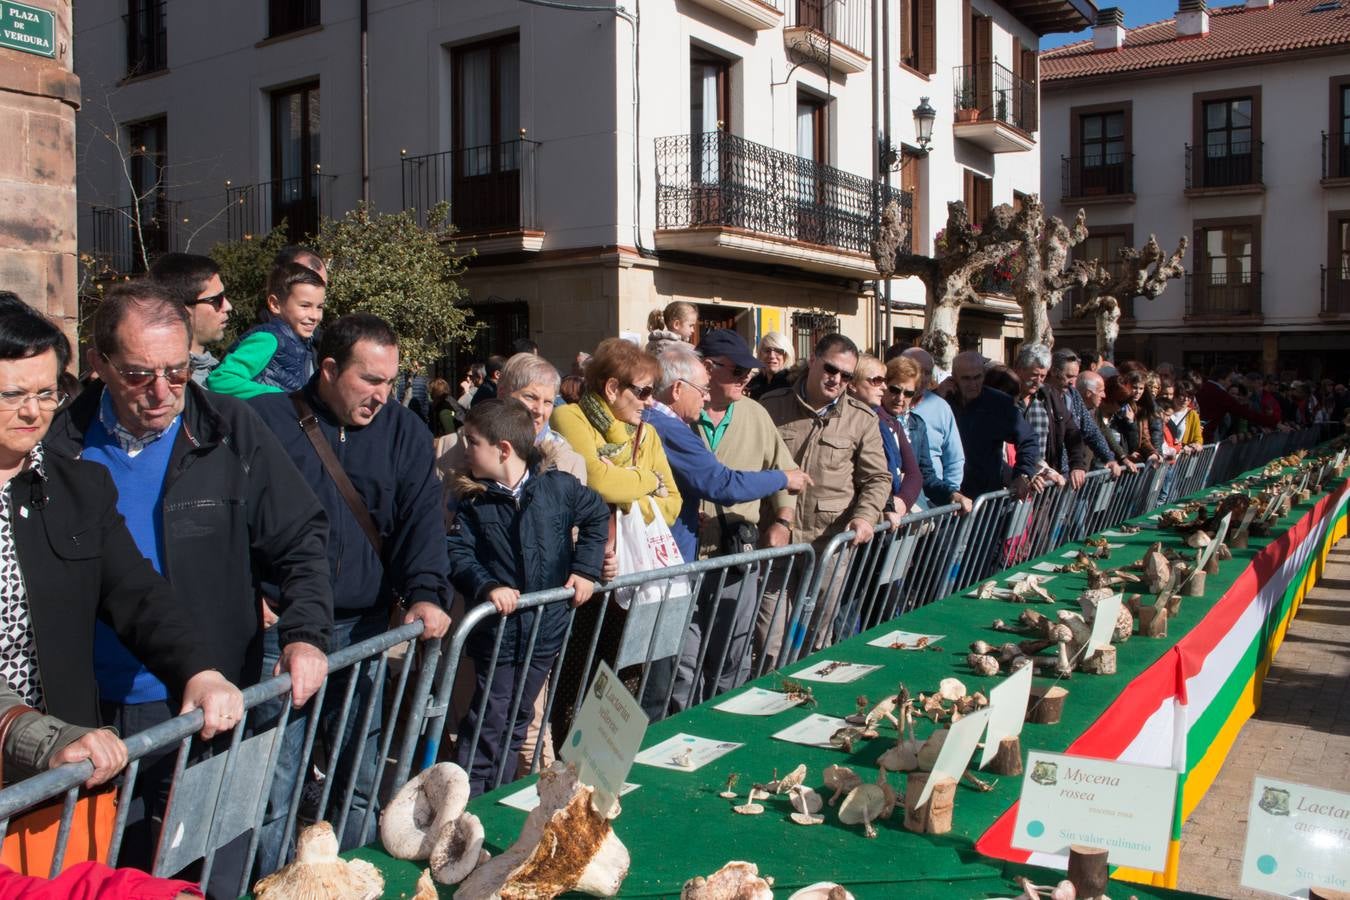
<point>625,464</point>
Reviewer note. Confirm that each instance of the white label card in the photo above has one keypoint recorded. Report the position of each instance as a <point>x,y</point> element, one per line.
<point>527,799</point>
<point>956,752</point>
<point>905,640</point>
<point>1298,837</point>
<point>605,737</point>
<point>1007,711</point>
<point>758,702</point>
<point>1122,808</point>
<point>833,671</point>
<point>1104,622</point>
<point>685,752</point>
<point>813,731</point>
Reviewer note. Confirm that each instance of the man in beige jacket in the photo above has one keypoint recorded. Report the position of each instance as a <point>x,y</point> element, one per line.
<point>836,440</point>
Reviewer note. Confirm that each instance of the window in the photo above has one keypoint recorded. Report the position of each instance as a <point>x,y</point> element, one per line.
<point>1337,154</point>
<point>979,196</point>
<point>147,41</point>
<point>1103,244</point>
<point>911,182</point>
<point>1227,282</point>
<point>147,145</point>
<point>918,41</point>
<point>486,184</point>
<point>295,183</point>
<point>709,111</point>
<point>1227,148</point>
<point>808,329</point>
<point>1101,167</point>
<point>811,129</point>
<point>1026,104</point>
<point>1336,283</point>
<point>285,16</point>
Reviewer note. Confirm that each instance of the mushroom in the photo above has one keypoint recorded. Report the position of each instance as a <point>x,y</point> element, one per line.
<point>789,781</point>
<point>982,663</point>
<point>862,806</point>
<point>987,591</point>
<point>844,738</point>
<point>739,880</point>
<point>951,689</point>
<point>1198,540</point>
<point>888,793</point>
<point>426,820</point>
<point>752,806</point>
<point>426,888</point>
<point>822,890</point>
<point>459,851</point>
<point>1062,891</point>
<point>1029,589</point>
<point>903,757</point>
<point>841,780</point>
<point>806,803</point>
<point>928,753</point>
<point>319,874</point>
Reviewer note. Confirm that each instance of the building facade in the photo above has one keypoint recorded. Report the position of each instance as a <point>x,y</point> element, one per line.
<point>1231,127</point>
<point>599,162</point>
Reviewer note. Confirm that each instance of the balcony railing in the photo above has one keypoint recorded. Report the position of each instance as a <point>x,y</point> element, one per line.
<point>302,202</point>
<point>843,21</point>
<point>719,179</point>
<point>489,188</point>
<point>1223,295</point>
<point>147,39</point>
<point>1097,176</point>
<point>285,16</point>
<point>123,244</point>
<point>1237,164</point>
<point>1336,291</point>
<point>992,93</point>
<point>1336,154</point>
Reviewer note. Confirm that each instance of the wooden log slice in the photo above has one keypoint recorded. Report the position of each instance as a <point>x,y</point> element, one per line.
<point>935,816</point>
<point>1088,871</point>
<point>1046,705</point>
<point>1008,758</point>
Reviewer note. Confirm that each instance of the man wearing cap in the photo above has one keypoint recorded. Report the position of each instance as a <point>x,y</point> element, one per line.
<point>835,438</point>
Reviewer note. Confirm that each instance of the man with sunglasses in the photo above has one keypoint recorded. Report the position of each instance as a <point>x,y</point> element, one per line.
<point>835,438</point>
<point>216,504</point>
<point>195,280</point>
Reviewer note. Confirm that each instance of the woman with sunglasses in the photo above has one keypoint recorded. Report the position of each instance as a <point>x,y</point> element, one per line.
<point>869,386</point>
<point>903,392</point>
<point>775,371</point>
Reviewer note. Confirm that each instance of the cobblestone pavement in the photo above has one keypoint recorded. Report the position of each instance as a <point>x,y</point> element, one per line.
<point>1301,732</point>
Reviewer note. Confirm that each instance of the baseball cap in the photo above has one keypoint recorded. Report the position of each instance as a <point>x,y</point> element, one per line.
<point>725,342</point>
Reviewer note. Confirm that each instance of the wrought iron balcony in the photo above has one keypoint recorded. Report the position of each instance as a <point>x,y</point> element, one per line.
<point>719,180</point>
<point>489,188</point>
<point>1336,155</point>
<point>285,16</point>
<point>301,202</point>
<point>1220,295</point>
<point>987,99</point>
<point>1108,175</point>
<point>1233,165</point>
<point>147,39</point>
<point>832,32</point>
<point>124,241</point>
<point>1336,291</point>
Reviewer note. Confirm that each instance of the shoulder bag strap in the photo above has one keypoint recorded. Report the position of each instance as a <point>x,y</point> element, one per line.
<point>309,423</point>
<point>7,719</point>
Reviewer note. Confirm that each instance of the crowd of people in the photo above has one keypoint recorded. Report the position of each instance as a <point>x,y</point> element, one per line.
<point>176,525</point>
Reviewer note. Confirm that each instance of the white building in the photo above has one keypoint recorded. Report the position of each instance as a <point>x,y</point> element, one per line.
<point>1230,126</point>
<point>737,175</point>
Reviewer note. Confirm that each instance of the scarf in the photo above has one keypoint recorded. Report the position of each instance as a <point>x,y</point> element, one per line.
<point>622,451</point>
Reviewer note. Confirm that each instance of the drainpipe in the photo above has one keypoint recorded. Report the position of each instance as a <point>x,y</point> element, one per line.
<point>365,100</point>
<point>886,117</point>
<point>876,148</point>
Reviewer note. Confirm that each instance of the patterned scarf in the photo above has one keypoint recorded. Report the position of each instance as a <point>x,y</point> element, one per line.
<point>621,452</point>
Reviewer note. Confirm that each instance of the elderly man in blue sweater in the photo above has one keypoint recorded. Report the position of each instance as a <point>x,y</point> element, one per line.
<point>696,449</point>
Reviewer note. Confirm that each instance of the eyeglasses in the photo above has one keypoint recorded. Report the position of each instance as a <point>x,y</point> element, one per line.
<point>177,376</point>
<point>698,387</point>
<point>774,350</point>
<point>737,372</point>
<point>898,391</point>
<point>831,369</point>
<point>48,400</point>
<point>876,380</point>
<point>216,301</point>
<point>643,393</point>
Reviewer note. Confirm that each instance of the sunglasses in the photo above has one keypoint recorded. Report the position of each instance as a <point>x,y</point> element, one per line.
<point>177,376</point>
<point>737,372</point>
<point>835,370</point>
<point>215,300</point>
<point>876,380</point>
<point>643,393</point>
<point>898,391</point>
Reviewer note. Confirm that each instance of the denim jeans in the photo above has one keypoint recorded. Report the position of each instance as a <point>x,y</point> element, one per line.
<point>291,768</point>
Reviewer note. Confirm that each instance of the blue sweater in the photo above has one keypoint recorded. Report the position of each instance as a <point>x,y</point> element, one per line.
<point>140,498</point>
<point>701,476</point>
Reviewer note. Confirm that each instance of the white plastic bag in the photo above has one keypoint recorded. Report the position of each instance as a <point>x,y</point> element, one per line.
<point>657,609</point>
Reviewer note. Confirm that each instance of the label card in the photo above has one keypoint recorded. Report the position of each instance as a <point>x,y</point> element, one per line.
<point>605,737</point>
<point>1007,711</point>
<point>813,731</point>
<point>833,671</point>
<point>1046,566</point>
<point>906,640</point>
<point>1122,808</point>
<point>759,702</point>
<point>1104,622</point>
<point>1298,837</point>
<point>527,799</point>
<point>956,752</point>
<point>1247,519</point>
<point>685,752</point>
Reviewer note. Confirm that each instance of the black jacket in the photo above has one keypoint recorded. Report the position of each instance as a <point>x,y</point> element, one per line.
<point>391,462</point>
<point>79,562</point>
<point>498,541</point>
<point>1064,433</point>
<point>986,424</point>
<point>235,512</point>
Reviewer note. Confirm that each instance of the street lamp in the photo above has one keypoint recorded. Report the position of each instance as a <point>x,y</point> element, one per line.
<point>924,115</point>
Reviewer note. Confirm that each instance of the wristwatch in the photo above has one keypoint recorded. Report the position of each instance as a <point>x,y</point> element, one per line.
<point>784,522</point>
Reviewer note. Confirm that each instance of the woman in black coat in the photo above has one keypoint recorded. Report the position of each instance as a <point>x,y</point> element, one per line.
<point>66,557</point>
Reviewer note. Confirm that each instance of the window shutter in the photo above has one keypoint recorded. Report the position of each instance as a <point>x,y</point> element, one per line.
<point>1030,61</point>
<point>927,36</point>
<point>984,64</point>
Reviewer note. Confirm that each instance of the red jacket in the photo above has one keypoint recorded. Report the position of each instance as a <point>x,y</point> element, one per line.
<point>1214,401</point>
<point>92,881</point>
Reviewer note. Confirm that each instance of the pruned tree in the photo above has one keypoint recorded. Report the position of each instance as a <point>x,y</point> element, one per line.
<point>1144,272</point>
<point>950,277</point>
<point>1046,270</point>
<point>891,235</point>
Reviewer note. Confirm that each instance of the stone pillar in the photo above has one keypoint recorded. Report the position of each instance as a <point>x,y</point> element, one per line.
<point>38,100</point>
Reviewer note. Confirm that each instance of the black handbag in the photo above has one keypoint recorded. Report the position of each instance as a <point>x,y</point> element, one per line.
<point>739,538</point>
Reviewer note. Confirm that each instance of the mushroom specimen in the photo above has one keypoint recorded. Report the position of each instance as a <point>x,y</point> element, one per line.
<point>862,806</point>
<point>1029,589</point>
<point>318,873</point>
<point>735,881</point>
<point>426,820</point>
<point>841,780</point>
<point>565,845</point>
<point>822,890</point>
<point>426,887</point>
<point>752,806</point>
<point>806,803</point>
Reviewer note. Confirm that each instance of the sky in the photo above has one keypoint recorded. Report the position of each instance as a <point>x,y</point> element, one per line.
<point>1137,12</point>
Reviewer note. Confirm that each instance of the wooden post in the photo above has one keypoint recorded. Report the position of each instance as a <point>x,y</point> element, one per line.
<point>1103,662</point>
<point>1088,871</point>
<point>1046,705</point>
<point>1008,759</point>
<point>935,816</point>
<point>1153,621</point>
<point>1195,585</point>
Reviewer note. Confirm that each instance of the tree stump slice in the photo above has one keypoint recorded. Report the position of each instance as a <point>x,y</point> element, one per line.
<point>1195,585</point>
<point>1327,894</point>
<point>1212,567</point>
<point>935,816</point>
<point>1008,758</point>
<point>1153,621</point>
<point>1103,662</point>
<point>1238,541</point>
<point>1088,871</point>
<point>1046,705</point>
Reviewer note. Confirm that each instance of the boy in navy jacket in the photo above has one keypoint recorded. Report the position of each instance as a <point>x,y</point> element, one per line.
<point>512,534</point>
